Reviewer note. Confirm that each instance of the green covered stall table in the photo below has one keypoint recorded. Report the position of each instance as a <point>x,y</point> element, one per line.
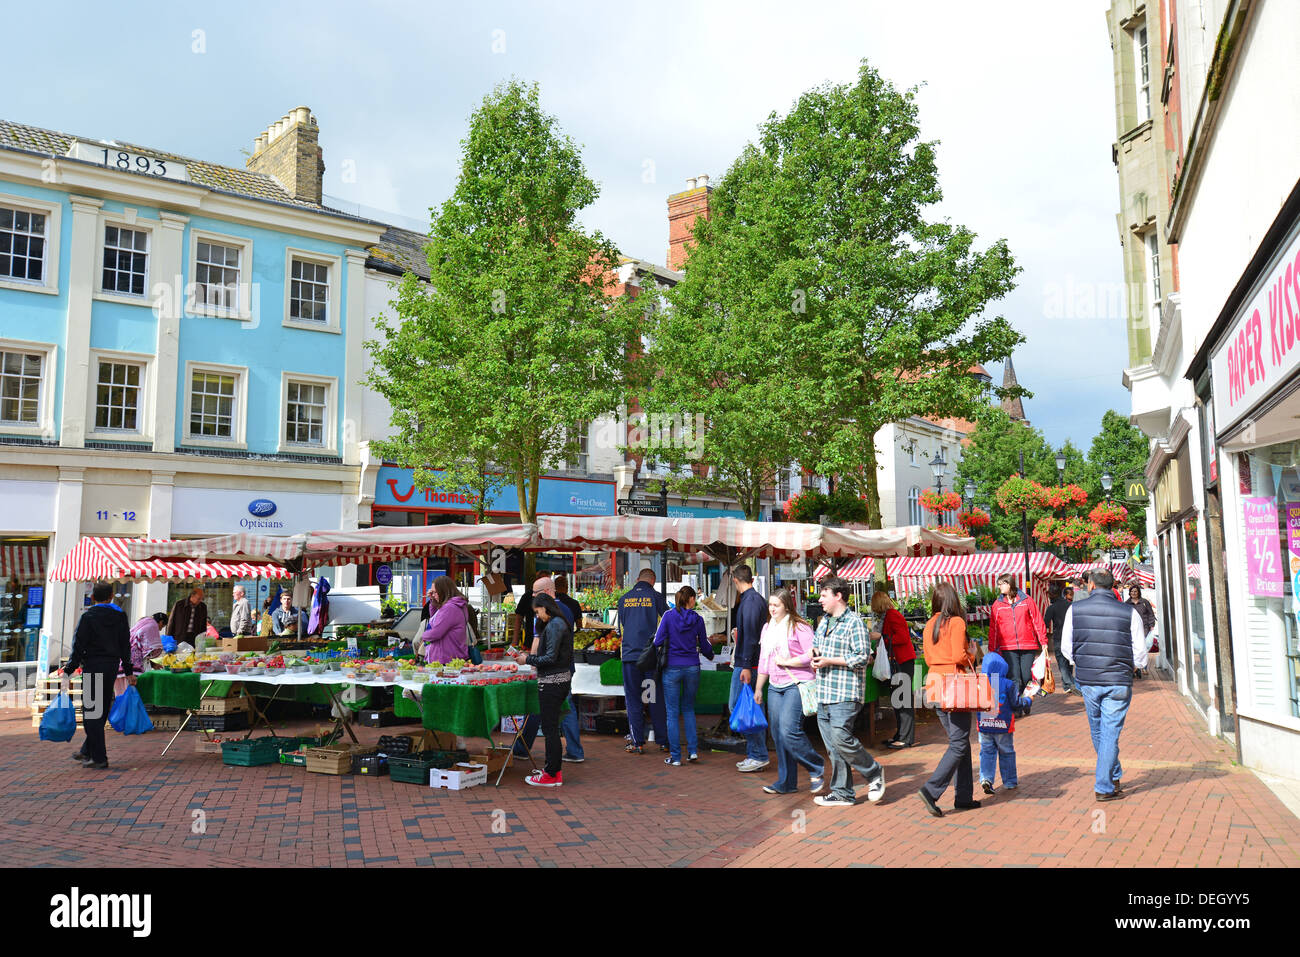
<point>474,711</point>
<point>712,697</point>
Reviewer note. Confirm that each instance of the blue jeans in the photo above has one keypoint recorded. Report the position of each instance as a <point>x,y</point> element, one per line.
<point>1107,706</point>
<point>755,741</point>
<point>785,720</point>
<point>995,748</point>
<point>568,724</point>
<point>634,694</point>
<point>835,722</point>
<point>680,686</point>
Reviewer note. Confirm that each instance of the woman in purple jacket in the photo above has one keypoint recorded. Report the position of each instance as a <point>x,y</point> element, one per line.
<point>445,639</point>
<point>683,629</point>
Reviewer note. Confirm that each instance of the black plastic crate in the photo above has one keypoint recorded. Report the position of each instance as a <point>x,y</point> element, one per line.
<point>381,718</point>
<point>372,764</point>
<point>235,721</point>
<point>612,722</point>
<point>415,768</point>
<point>392,744</point>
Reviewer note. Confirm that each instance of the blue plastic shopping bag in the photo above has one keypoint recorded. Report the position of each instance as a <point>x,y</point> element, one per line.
<point>128,715</point>
<point>59,722</point>
<point>747,715</point>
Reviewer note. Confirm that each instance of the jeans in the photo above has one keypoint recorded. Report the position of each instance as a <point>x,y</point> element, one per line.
<point>901,691</point>
<point>1063,668</point>
<point>1020,668</point>
<point>755,741</point>
<point>568,724</point>
<point>995,748</point>
<point>551,698</point>
<point>1107,706</point>
<point>956,760</point>
<point>835,722</point>
<point>97,701</point>
<point>680,686</point>
<point>634,695</point>
<point>785,720</point>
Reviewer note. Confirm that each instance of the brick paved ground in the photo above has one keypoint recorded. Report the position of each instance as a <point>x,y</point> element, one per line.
<point>1188,806</point>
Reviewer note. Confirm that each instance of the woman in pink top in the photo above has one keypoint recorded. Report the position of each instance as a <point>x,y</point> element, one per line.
<point>784,662</point>
<point>146,640</point>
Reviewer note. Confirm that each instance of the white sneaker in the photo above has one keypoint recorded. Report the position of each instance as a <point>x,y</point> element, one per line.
<point>749,764</point>
<point>876,789</point>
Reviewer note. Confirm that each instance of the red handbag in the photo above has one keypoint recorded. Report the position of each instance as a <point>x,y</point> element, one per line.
<point>964,691</point>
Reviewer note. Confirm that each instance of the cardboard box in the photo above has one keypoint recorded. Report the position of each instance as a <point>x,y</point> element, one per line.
<point>166,722</point>
<point>511,722</point>
<point>458,777</point>
<point>494,759</point>
<point>495,584</point>
<point>433,741</point>
<point>223,705</point>
<point>245,643</point>
<point>211,743</point>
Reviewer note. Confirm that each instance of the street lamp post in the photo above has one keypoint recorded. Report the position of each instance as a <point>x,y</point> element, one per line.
<point>938,466</point>
<point>1024,530</point>
<point>1107,481</point>
<point>1060,480</point>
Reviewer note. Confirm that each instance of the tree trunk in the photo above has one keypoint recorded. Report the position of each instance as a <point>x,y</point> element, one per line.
<point>871,485</point>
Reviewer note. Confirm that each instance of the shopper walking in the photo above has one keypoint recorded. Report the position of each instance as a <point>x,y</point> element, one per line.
<point>683,630</point>
<point>189,617</point>
<point>902,663</point>
<point>639,612</point>
<point>1105,641</point>
<point>1054,621</point>
<point>241,616</point>
<point>750,617</point>
<point>947,650</point>
<point>554,662</point>
<point>784,663</point>
<point>997,728</point>
<point>1016,630</point>
<point>1148,619</point>
<point>841,650</point>
<point>146,639</point>
<point>101,643</point>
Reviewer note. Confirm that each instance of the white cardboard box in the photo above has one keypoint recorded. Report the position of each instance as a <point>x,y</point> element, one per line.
<point>507,725</point>
<point>459,777</point>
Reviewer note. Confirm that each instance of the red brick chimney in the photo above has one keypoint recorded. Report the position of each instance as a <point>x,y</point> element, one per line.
<point>290,152</point>
<point>683,208</point>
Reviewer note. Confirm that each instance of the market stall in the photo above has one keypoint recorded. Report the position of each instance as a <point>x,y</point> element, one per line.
<point>913,576</point>
<point>1123,573</point>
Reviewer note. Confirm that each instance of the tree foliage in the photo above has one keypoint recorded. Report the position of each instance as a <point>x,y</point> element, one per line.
<point>514,340</point>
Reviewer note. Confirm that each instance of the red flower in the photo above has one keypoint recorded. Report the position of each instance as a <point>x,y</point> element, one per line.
<point>932,501</point>
<point>1018,494</point>
<point>1108,513</point>
<point>975,518</point>
<point>986,543</point>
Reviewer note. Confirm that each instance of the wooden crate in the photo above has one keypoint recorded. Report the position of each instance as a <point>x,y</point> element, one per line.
<point>336,759</point>
<point>223,705</point>
<point>47,689</point>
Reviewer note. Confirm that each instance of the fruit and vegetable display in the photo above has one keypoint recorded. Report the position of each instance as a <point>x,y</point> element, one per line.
<point>173,661</point>
<point>584,639</point>
<point>608,643</point>
<point>339,668</point>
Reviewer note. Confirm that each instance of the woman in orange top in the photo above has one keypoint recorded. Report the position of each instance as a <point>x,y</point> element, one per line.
<point>946,652</point>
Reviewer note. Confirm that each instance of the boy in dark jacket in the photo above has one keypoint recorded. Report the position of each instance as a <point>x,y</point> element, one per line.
<point>997,729</point>
<point>101,643</point>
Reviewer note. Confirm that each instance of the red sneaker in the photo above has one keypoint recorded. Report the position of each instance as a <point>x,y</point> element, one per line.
<point>540,779</point>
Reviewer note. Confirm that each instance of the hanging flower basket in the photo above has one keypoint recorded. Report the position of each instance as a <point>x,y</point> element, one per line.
<point>1045,530</point>
<point>1018,494</point>
<point>975,518</point>
<point>986,543</point>
<point>1108,513</point>
<point>932,501</point>
<point>1063,496</point>
<point>808,506</point>
<point>1121,539</point>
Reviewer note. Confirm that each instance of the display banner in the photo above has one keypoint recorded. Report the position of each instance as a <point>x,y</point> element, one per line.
<point>1263,548</point>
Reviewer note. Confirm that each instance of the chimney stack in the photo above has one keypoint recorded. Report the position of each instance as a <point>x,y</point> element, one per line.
<point>289,151</point>
<point>683,209</point>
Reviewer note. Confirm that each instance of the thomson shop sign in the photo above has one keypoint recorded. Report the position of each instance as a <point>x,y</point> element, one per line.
<point>395,488</point>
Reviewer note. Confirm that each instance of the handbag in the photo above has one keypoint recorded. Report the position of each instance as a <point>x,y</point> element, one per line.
<point>808,697</point>
<point>963,691</point>
<point>653,659</point>
<point>1049,681</point>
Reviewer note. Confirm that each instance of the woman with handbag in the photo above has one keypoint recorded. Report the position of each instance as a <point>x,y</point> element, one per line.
<point>684,639</point>
<point>785,664</point>
<point>948,652</point>
<point>902,658</point>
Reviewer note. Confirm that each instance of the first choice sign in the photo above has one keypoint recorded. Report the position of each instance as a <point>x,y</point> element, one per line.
<point>1262,349</point>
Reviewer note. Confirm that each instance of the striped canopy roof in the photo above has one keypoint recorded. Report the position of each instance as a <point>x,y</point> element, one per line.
<point>108,559</point>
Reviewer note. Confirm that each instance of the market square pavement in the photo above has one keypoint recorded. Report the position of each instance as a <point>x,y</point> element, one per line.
<point>1188,805</point>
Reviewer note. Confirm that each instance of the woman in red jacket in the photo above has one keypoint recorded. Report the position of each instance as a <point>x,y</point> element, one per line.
<point>1016,631</point>
<point>902,662</point>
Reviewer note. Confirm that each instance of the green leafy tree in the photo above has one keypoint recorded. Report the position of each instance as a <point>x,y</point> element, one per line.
<point>993,456</point>
<point>841,306</point>
<point>514,336</point>
<point>1123,449</point>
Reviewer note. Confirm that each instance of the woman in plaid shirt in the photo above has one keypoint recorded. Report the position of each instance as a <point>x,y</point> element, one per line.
<point>841,651</point>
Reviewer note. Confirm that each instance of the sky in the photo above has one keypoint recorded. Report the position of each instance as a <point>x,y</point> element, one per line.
<point>1022,107</point>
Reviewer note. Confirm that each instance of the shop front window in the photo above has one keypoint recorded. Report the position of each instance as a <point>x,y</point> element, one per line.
<point>1194,584</point>
<point>1269,522</point>
<point>22,571</point>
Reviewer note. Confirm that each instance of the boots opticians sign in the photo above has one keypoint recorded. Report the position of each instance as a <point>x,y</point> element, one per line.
<point>1263,347</point>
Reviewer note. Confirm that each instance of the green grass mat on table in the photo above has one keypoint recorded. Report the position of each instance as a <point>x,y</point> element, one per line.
<point>475,710</point>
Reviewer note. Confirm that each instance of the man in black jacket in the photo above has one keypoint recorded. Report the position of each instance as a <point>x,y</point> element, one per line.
<point>750,617</point>
<point>102,642</point>
<point>1054,620</point>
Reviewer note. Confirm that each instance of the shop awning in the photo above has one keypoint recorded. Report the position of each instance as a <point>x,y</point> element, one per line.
<point>108,559</point>
<point>384,542</point>
<point>23,562</point>
<point>238,547</point>
<point>1124,574</point>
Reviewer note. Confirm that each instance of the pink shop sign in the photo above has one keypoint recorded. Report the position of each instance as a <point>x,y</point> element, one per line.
<point>1263,548</point>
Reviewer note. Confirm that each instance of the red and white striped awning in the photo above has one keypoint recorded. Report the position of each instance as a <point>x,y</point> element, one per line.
<point>725,538</point>
<point>108,559</point>
<point>981,565</point>
<point>23,562</point>
<point>238,547</point>
<point>384,542</point>
<point>1123,573</point>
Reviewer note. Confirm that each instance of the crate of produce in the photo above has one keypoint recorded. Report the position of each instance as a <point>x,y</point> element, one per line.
<point>612,722</point>
<point>295,758</point>
<point>235,721</point>
<point>256,751</point>
<point>415,768</point>
<point>336,759</point>
<point>391,744</point>
<point>372,764</point>
<point>458,777</point>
